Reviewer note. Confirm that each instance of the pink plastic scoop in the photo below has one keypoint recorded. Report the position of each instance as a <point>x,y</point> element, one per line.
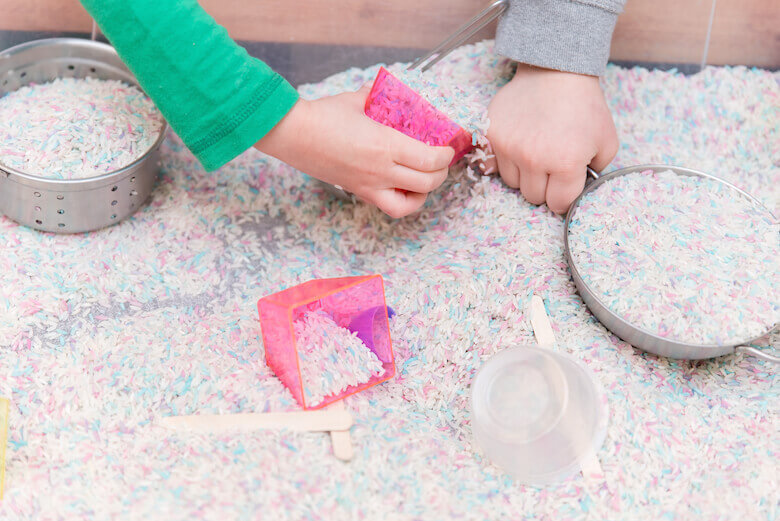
<point>357,303</point>
<point>394,104</point>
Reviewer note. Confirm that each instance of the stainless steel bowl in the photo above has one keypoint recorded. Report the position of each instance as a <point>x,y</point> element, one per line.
<point>632,334</point>
<point>71,205</point>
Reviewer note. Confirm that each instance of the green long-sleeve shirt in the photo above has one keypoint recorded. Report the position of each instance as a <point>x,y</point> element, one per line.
<point>219,100</point>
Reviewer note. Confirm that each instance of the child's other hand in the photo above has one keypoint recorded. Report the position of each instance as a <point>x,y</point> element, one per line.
<point>333,140</point>
<point>545,127</point>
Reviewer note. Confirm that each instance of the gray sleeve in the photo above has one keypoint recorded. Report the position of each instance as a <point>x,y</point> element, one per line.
<point>567,35</point>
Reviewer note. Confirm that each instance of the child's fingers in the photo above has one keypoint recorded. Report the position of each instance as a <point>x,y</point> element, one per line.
<point>417,155</point>
<point>605,154</point>
<point>509,171</point>
<point>533,185</point>
<point>397,203</point>
<point>562,190</point>
<point>415,181</point>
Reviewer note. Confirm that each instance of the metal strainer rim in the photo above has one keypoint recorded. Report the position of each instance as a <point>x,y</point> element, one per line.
<point>583,287</point>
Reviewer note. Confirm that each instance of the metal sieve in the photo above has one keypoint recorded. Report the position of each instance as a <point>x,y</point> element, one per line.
<point>71,205</point>
<point>637,336</point>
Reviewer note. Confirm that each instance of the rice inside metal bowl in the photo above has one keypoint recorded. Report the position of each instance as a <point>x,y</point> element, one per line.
<point>674,261</point>
<point>71,205</point>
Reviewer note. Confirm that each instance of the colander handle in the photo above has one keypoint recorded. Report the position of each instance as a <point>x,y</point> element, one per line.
<point>592,173</point>
<point>752,351</point>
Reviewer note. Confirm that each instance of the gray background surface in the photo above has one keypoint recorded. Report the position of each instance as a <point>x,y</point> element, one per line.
<point>307,63</point>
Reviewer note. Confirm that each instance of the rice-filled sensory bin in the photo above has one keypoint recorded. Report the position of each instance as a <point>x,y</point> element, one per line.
<point>103,334</point>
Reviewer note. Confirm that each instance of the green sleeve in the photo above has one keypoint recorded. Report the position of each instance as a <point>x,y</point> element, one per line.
<point>220,100</point>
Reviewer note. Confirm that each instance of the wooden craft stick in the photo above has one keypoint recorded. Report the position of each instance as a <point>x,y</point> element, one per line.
<point>313,421</point>
<point>541,323</point>
<point>591,468</point>
<point>341,439</point>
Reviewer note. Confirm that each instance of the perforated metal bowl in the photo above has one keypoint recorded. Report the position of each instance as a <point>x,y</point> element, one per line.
<point>71,205</point>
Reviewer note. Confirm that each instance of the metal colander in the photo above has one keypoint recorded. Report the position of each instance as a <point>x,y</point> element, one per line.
<point>71,205</point>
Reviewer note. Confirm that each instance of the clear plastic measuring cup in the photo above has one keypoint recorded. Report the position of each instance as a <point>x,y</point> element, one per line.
<point>537,414</point>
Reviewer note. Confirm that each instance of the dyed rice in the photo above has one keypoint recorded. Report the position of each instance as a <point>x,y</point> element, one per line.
<point>685,258</point>
<point>332,358</point>
<point>76,128</point>
<point>102,333</point>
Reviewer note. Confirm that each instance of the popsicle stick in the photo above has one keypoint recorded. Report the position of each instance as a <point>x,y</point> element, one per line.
<point>589,464</point>
<point>313,421</point>
<point>541,324</point>
<point>341,439</point>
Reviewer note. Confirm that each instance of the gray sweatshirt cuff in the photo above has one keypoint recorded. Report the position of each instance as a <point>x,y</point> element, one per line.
<point>566,35</point>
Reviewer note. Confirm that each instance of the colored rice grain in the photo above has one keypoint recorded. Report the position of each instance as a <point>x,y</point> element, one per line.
<point>76,128</point>
<point>685,258</point>
<point>332,358</point>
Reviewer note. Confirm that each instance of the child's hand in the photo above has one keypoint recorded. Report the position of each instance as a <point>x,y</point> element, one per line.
<point>545,127</point>
<point>333,140</point>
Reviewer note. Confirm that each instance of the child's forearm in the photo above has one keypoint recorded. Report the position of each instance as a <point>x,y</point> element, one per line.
<point>216,97</point>
<point>566,35</point>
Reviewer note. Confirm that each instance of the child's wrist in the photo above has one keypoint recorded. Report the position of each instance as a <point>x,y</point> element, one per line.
<point>527,68</point>
<point>285,137</point>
